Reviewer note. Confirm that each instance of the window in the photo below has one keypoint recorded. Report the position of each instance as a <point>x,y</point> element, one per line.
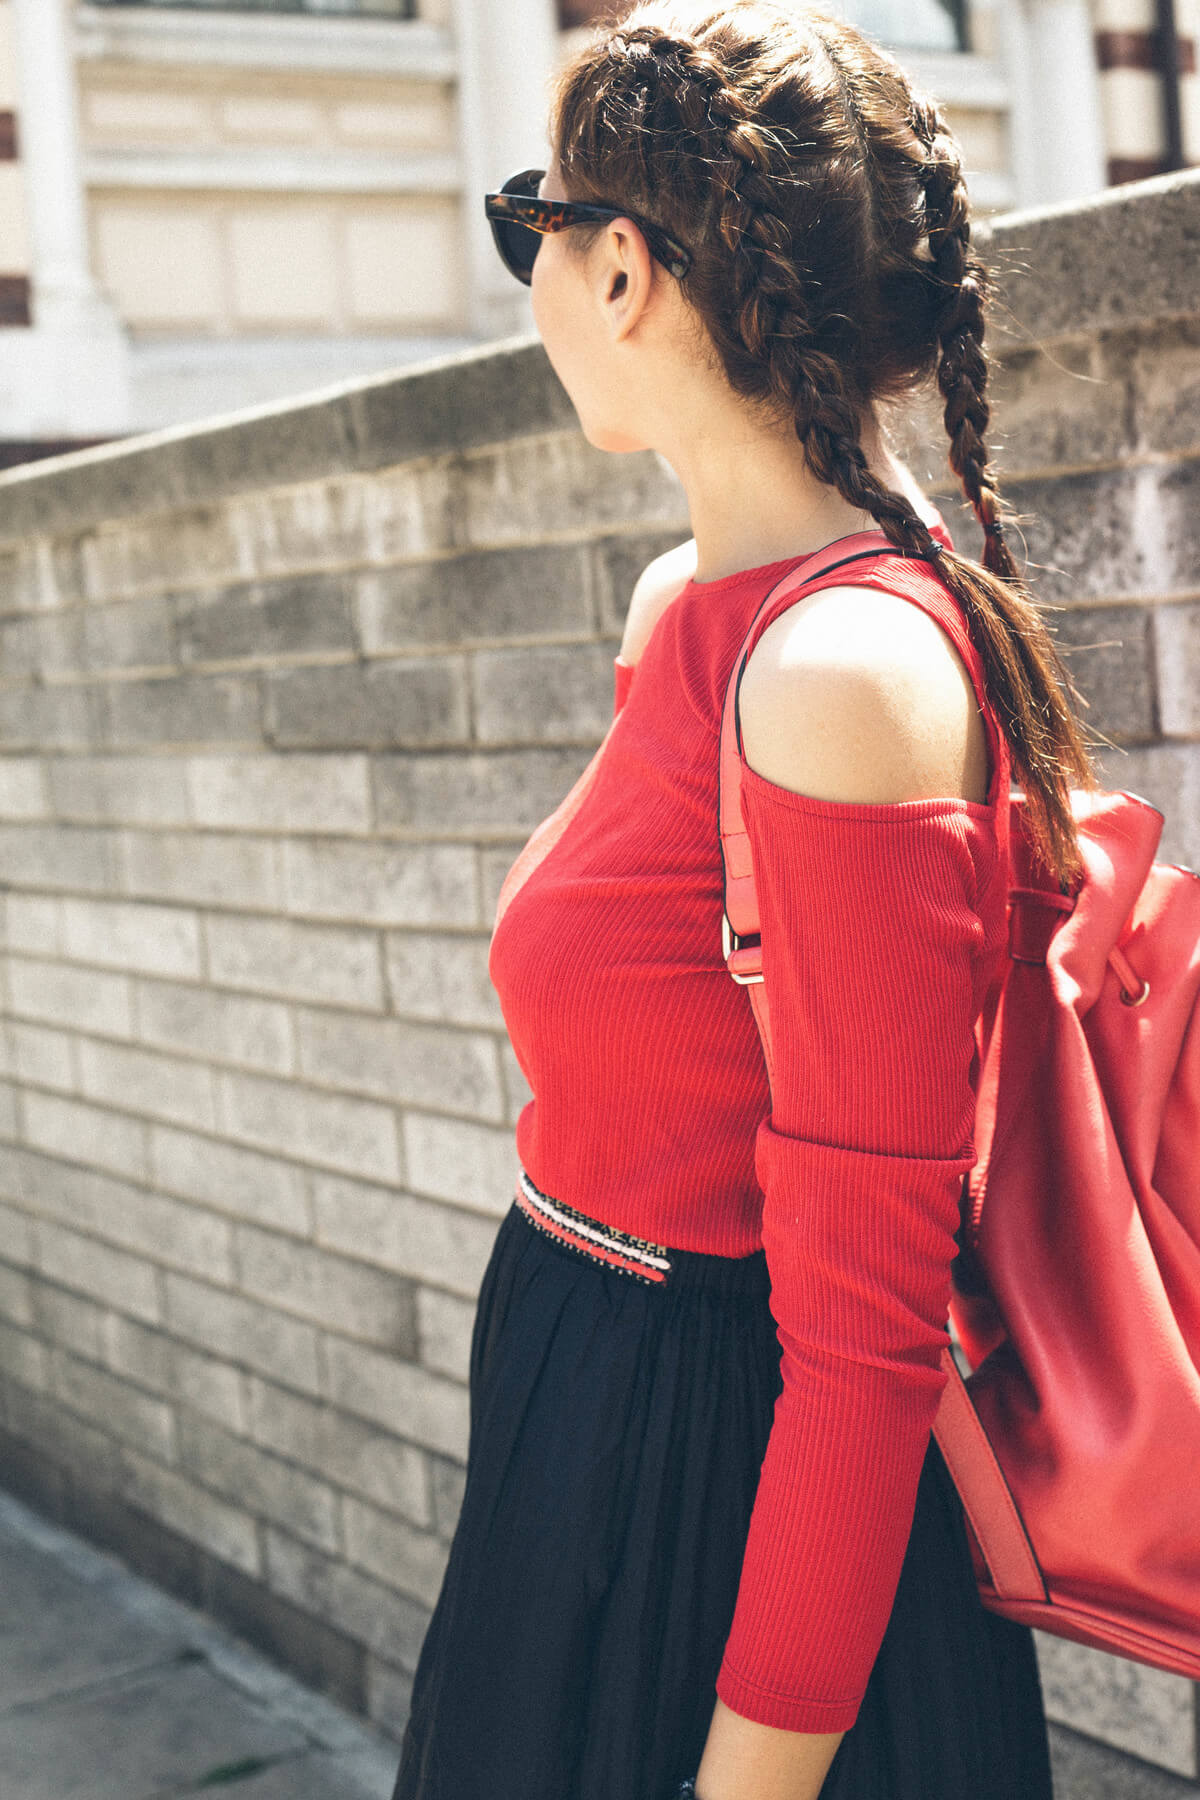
<point>356,9</point>
<point>910,24</point>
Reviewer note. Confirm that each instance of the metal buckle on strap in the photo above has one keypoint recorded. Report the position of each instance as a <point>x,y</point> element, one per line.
<point>731,943</point>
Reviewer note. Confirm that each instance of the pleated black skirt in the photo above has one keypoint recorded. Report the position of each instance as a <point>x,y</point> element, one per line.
<point>617,1428</point>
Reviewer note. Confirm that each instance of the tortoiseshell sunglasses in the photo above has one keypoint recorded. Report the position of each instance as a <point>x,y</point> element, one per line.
<point>521,218</point>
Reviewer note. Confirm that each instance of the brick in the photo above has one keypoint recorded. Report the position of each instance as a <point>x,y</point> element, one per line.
<point>221,1027</point>
<point>23,790</point>
<point>146,1081</point>
<point>418,1064</point>
<point>412,1561</point>
<point>421,1238</point>
<point>160,552</point>
<point>135,634</point>
<point>391,884</point>
<point>453,1159</point>
<point>265,621</point>
<point>200,868</point>
<point>552,695</point>
<point>1168,775</point>
<point>352,1455</point>
<point>280,793</point>
<point>53,856</point>
<point>264,1484</point>
<point>445,1325</point>
<point>441,976</point>
<point>125,1282</point>
<point>304,962</point>
<point>618,560</point>
<point>127,790</point>
<point>165,1230</point>
<point>158,1362</point>
<point>473,397</point>
<point>69,1320</point>
<point>62,1438</point>
<point>357,1136</point>
<point>328,1662</point>
<point>134,1418</point>
<point>20,578</point>
<point>45,718</point>
<point>242,1332</point>
<point>192,1510</point>
<point>181,710</point>
<point>1166,387</point>
<point>1083,536</point>
<point>331,1290</point>
<point>62,1127</point>
<point>16,1296</point>
<point>24,1358</point>
<point>243,1183</point>
<point>412,510</point>
<point>83,999</point>
<point>8,1109</point>
<point>426,1409</point>
<point>516,491</point>
<point>370,1611</point>
<point>526,592</point>
<point>118,934</point>
<point>1109,651</point>
<point>1146,1711</point>
<point>16,1226</point>
<point>22,650</point>
<point>389,1697</point>
<point>31,922</point>
<point>1177,635</point>
<point>1060,408</point>
<point>373,706</point>
<point>482,793</point>
<point>495,860</point>
<point>39,1055</point>
<point>449,1485</point>
<point>302,527</point>
<point>1179,500</point>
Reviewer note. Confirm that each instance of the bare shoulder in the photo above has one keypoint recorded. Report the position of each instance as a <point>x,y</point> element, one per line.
<point>655,588</point>
<point>858,695</point>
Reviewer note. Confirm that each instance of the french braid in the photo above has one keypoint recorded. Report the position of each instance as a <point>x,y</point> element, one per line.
<point>825,206</point>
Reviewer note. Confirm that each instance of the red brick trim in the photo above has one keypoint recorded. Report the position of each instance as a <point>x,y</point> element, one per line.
<point>1134,168</point>
<point>1139,50</point>
<point>8,135</point>
<point>14,300</point>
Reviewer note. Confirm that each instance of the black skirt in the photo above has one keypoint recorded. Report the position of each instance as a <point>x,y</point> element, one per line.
<point>618,1424</point>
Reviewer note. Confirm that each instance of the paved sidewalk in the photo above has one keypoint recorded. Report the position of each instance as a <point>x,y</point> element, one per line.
<point>112,1690</point>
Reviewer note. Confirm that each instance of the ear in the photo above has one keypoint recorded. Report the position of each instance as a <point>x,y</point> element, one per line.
<point>624,276</point>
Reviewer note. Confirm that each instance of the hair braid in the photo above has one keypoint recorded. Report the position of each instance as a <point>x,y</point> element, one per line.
<point>832,270</point>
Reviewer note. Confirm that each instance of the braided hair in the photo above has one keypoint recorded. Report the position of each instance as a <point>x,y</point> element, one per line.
<point>824,202</point>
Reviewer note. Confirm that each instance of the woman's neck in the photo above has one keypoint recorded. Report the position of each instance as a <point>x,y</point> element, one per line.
<point>752,498</point>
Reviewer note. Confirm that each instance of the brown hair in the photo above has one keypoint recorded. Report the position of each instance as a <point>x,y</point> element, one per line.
<point>824,203</point>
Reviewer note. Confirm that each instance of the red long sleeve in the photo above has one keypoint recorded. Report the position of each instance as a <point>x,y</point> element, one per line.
<point>873,956</point>
<point>882,927</point>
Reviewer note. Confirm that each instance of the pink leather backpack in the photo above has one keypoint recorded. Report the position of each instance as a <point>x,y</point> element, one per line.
<point>1074,1442</point>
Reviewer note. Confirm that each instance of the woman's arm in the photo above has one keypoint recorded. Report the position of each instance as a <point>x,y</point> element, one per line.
<point>856,697</point>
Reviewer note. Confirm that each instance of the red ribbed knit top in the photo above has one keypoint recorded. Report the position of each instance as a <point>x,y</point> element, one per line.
<point>883,928</point>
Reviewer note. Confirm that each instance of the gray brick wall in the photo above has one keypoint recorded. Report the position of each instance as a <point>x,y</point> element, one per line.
<point>280,700</point>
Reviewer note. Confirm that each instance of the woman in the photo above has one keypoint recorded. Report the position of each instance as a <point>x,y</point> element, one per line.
<point>707,1544</point>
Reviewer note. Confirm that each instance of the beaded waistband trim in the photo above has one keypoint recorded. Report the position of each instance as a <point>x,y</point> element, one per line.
<point>603,1243</point>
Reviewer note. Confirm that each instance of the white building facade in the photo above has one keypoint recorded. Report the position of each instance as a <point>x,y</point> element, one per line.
<point>203,206</point>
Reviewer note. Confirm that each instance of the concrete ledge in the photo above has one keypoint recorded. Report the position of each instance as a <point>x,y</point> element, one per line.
<point>1055,273</point>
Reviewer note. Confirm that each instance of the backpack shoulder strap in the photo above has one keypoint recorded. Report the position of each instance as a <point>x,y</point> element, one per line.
<point>868,559</point>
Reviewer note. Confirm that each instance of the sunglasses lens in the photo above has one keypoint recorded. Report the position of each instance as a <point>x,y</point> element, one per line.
<point>517,245</point>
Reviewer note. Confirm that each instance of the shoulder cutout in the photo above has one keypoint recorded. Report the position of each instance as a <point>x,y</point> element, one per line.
<point>857,695</point>
<point>655,588</point>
